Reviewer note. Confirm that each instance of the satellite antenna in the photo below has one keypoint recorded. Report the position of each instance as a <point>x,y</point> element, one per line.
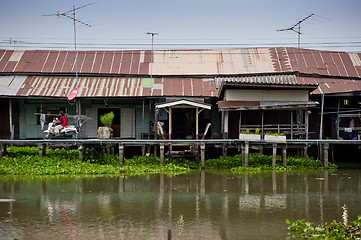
<point>71,15</point>
<point>297,29</point>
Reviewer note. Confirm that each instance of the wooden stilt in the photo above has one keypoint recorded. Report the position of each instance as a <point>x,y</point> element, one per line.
<point>326,146</point>
<point>121,153</point>
<point>274,153</point>
<point>42,148</point>
<point>246,153</point>
<point>81,151</point>
<point>243,154</point>
<point>161,153</point>
<point>305,151</point>
<point>284,155</point>
<point>203,155</point>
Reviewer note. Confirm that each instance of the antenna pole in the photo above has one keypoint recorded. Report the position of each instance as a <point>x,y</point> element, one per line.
<point>71,15</point>
<point>152,59</point>
<point>298,39</point>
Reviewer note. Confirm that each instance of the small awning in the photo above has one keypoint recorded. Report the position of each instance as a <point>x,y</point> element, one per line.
<point>257,105</point>
<point>183,102</point>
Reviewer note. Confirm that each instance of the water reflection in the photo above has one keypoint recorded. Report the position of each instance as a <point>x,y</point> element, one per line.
<point>201,205</point>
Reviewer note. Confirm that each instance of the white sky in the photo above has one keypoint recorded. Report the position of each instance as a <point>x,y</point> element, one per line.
<point>123,24</point>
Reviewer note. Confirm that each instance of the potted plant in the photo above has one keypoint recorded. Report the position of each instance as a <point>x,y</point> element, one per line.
<point>274,137</point>
<point>106,131</point>
<point>247,135</point>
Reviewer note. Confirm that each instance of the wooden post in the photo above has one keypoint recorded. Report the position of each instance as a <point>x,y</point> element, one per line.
<point>243,154</point>
<point>274,153</point>
<point>284,154</point>
<point>42,148</point>
<point>1,150</point>
<point>81,151</point>
<point>169,234</point>
<point>203,156</point>
<point>143,150</point>
<point>161,153</point>
<point>326,146</point>
<point>246,153</point>
<point>305,151</point>
<point>121,153</point>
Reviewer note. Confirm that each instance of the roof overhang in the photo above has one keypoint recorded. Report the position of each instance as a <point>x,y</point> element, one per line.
<point>269,81</point>
<point>183,102</point>
<point>259,105</point>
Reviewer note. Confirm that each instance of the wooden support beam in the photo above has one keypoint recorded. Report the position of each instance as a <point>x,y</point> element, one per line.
<point>121,153</point>
<point>1,150</point>
<point>246,153</point>
<point>284,154</point>
<point>203,155</point>
<point>42,149</point>
<point>274,153</point>
<point>161,153</point>
<point>326,146</point>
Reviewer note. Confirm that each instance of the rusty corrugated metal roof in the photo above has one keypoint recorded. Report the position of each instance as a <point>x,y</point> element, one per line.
<point>184,62</point>
<point>63,62</point>
<point>109,87</point>
<point>332,85</point>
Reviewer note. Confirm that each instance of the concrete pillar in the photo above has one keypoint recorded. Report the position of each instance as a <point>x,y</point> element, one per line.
<point>81,151</point>
<point>121,153</point>
<point>274,153</point>
<point>284,154</point>
<point>246,153</point>
<point>326,146</point>
<point>161,153</point>
<point>42,149</point>
<point>203,156</point>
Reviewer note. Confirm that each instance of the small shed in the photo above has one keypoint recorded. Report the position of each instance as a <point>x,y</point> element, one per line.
<point>184,119</point>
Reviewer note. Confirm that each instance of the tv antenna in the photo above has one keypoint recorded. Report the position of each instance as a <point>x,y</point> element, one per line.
<point>297,29</point>
<point>14,42</point>
<point>71,15</point>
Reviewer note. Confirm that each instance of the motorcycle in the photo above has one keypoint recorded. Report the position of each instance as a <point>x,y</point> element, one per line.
<point>69,131</point>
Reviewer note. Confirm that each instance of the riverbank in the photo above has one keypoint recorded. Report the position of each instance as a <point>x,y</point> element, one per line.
<point>25,161</point>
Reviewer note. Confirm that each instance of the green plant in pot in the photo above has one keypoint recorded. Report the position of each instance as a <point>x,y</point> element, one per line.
<point>107,121</point>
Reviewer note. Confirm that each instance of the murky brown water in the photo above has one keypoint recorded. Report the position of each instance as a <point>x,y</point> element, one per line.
<point>201,205</point>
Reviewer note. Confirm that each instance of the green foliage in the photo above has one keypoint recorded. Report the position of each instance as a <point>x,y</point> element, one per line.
<point>25,160</point>
<point>107,119</point>
<point>247,131</point>
<point>274,134</point>
<point>301,229</point>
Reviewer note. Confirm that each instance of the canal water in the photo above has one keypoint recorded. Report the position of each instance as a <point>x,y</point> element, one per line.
<point>201,205</point>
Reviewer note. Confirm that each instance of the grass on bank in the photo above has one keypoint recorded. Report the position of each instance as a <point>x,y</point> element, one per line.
<point>26,161</point>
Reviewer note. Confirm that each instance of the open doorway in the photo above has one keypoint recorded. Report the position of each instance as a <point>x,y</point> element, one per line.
<point>183,123</point>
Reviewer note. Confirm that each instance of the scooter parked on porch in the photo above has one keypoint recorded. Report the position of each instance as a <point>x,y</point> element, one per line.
<point>69,131</point>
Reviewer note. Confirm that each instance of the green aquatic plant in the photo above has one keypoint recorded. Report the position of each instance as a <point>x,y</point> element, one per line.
<point>301,229</point>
